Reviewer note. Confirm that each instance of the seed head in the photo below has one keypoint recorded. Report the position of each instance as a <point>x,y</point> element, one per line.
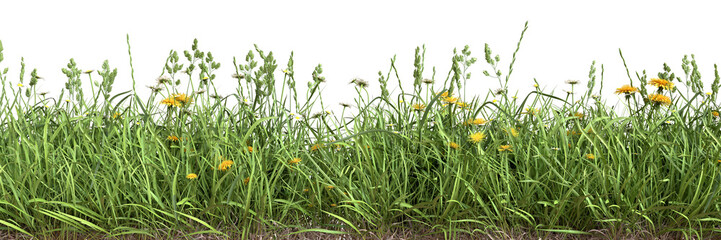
<point>572,82</point>
<point>359,82</point>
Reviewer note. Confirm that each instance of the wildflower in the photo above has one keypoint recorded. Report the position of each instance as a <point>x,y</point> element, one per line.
<point>20,85</point>
<point>163,80</point>
<point>155,89</point>
<point>661,83</point>
<point>182,98</point>
<point>191,176</point>
<point>427,81</point>
<point>556,149</point>
<point>444,94</point>
<point>286,71</point>
<point>419,107</point>
<point>201,91</point>
<point>344,105</point>
<point>505,148</point>
<point>512,131</point>
<point>715,114</point>
<point>246,181</point>
<point>116,115</point>
<point>494,100</point>
<point>390,125</point>
<point>238,76</point>
<point>294,161</point>
<point>333,205</point>
<point>590,156</point>
<point>500,91</point>
<point>43,93</point>
<point>329,187</point>
<point>315,147</point>
<point>453,145</point>
<point>572,82</point>
<point>246,101</point>
<point>578,114</point>
<point>173,138</point>
<point>535,85</point>
<point>568,92</point>
<point>708,93</point>
<point>224,165</point>
<point>461,104</point>
<point>88,72</point>
<point>250,149</point>
<point>532,111</point>
<point>659,99</point>
<point>450,99</point>
<point>296,117</point>
<point>306,190</point>
<point>476,121</point>
<point>396,132</point>
<point>476,137</point>
<point>359,82</point>
<point>514,97</point>
<point>626,89</point>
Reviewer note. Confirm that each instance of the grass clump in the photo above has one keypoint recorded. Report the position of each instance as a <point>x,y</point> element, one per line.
<point>431,159</point>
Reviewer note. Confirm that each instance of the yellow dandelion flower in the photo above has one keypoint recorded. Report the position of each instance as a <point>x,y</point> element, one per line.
<point>476,121</point>
<point>329,187</point>
<point>590,156</point>
<point>578,114</point>
<point>173,138</point>
<point>294,161</point>
<point>659,99</point>
<point>505,148</point>
<point>461,104</point>
<point>661,83</point>
<point>453,145</point>
<point>535,85</point>
<point>183,99</point>
<point>20,85</point>
<point>225,165</point>
<point>191,176</point>
<point>476,137</point>
<point>532,111</point>
<point>419,107</point>
<point>444,94</point>
<point>450,99</point>
<point>512,131</point>
<point>116,115</point>
<point>715,113</point>
<point>333,205</point>
<point>626,89</point>
<point>708,93</point>
<point>246,181</point>
<point>250,149</point>
<point>315,147</point>
<point>170,102</point>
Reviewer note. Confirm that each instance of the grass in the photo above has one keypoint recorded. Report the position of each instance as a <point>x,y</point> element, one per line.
<point>431,158</point>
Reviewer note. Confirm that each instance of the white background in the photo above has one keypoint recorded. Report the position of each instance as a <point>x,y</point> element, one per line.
<point>358,38</point>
